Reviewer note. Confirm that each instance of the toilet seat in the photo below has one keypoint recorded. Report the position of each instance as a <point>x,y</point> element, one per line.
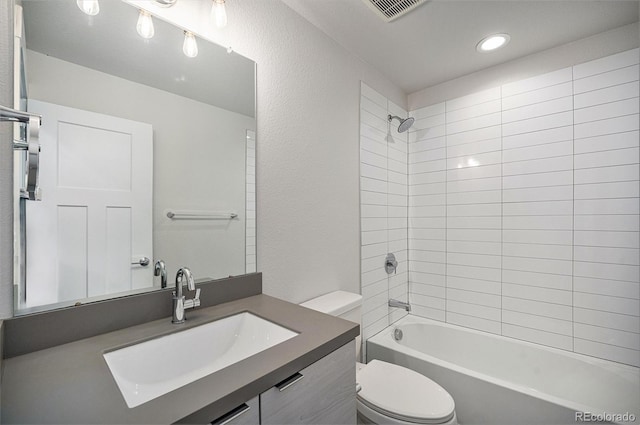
<point>403,394</point>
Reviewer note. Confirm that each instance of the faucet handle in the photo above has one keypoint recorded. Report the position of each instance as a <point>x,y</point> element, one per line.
<point>193,302</point>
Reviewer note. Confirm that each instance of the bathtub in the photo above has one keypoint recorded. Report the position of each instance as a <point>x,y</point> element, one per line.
<point>498,380</point>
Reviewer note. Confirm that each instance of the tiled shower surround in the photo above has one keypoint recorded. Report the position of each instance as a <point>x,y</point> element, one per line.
<point>523,210</point>
<point>383,210</point>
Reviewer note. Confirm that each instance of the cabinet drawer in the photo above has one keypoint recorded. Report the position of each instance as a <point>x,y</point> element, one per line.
<point>322,393</point>
<point>246,414</point>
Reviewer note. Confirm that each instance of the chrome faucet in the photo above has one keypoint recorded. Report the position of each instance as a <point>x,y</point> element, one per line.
<point>401,304</point>
<point>179,303</point>
<point>161,270</point>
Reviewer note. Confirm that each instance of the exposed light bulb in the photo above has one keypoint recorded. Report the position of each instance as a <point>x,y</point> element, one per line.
<point>90,7</point>
<point>145,25</point>
<point>190,46</point>
<point>219,13</point>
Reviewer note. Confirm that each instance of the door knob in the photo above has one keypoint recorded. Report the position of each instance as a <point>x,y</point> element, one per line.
<point>144,262</point>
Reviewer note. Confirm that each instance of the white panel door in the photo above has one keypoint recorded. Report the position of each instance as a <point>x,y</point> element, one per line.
<point>95,217</point>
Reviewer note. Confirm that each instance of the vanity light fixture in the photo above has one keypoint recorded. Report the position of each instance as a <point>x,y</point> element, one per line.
<point>146,29</point>
<point>219,13</point>
<point>145,25</point>
<point>190,46</point>
<point>493,42</point>
<point>90,7</point>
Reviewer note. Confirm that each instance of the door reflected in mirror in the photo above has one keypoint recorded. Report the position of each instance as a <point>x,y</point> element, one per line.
<point>146,155</point>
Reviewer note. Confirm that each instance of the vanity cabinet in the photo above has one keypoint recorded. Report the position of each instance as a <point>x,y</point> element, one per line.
<point>323,353</point>
<point>322,393</point>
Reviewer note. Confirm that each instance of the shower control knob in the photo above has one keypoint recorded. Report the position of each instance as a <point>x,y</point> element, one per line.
<point>390,264</point>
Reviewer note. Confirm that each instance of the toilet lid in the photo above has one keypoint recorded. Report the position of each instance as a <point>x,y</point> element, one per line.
<point>403,394</point>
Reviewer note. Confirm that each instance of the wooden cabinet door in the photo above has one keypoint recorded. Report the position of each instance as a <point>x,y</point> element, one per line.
<point>322,393</point>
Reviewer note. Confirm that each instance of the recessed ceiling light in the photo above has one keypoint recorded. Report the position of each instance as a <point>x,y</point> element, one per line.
<point>492,42</point>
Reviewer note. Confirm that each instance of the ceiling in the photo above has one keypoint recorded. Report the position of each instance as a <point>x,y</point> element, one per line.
<point>436,41</point>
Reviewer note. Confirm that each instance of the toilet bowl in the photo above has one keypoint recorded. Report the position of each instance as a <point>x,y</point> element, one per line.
<point>394,394</point>
<point>388,393</point>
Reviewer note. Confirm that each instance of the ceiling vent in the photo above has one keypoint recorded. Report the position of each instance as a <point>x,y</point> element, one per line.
<point>390,10</point>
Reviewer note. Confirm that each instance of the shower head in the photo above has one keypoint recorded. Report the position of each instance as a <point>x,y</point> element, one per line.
<point>405,123</point>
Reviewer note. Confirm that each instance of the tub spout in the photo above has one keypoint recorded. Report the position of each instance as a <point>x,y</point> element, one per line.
<point>400,304</point>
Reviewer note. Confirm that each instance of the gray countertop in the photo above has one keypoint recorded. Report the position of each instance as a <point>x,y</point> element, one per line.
<point>71,383</point>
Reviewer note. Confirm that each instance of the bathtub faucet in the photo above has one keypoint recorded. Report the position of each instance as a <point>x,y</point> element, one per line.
<point>401,304</point>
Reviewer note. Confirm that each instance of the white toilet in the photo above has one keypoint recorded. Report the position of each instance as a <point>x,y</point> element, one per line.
<point>388,393</point>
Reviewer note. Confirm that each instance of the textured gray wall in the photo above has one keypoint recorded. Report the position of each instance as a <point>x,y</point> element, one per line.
<point>6,161</point>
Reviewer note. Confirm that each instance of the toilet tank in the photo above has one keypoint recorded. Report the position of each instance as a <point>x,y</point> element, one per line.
<point>345,305</point>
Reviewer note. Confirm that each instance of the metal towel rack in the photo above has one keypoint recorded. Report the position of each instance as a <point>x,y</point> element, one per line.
<point>31,145</point>
<point>9,114</point>
<point>201,215</point>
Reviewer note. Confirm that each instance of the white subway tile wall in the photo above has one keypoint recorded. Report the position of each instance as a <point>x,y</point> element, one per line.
<point>538,181</point>
<point>606,254</point>
<point>524,209</point>
<point>474,209</point>
<point>250,246</point>
<point>427,212</point>
<point>383,210</point>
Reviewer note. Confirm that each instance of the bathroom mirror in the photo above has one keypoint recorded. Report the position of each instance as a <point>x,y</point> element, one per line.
<point>146,154</point>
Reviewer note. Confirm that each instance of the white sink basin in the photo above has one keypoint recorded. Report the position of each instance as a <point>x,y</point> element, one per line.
<point>152,368</point>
